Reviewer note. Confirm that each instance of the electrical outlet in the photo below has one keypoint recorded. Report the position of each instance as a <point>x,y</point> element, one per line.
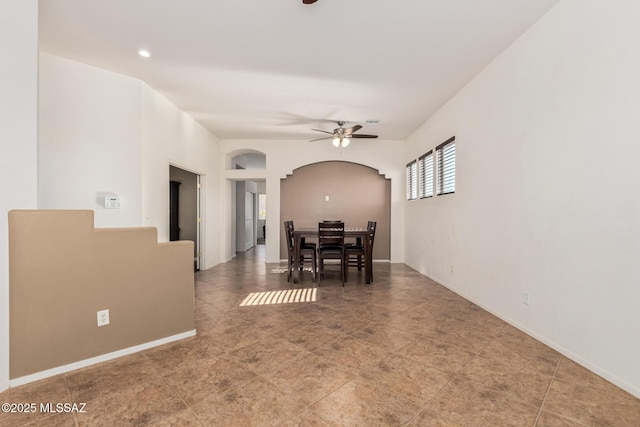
<point>103,317</point>
<point>525,298</point>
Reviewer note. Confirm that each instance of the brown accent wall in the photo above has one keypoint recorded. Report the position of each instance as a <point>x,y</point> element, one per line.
<point>357,194</point>
<point>62,271</point>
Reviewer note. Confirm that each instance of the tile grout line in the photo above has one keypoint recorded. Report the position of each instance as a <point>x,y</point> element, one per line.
<point>66,384</point>
<point>546,394</point>
<point>306,407</point>
<point>476,354</point>
<point>157,373</point>
<point>453,377</point>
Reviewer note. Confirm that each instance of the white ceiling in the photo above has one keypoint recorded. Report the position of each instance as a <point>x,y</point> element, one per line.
<point>274,69</point>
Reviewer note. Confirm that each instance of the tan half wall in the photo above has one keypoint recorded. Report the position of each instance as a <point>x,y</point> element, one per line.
<point>62,271</point>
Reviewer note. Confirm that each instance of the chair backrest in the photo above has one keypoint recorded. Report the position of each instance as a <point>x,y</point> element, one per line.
<point>371,226</point>
<point>288,231</point>
<point>331,233</point>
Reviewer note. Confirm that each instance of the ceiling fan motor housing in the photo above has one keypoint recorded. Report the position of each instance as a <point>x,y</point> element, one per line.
<point>341,133</point>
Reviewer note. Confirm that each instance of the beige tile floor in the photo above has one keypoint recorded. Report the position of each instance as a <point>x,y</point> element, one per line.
<point>402,351</point>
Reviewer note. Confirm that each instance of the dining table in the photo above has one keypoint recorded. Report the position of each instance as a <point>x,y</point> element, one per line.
<point>349,232</point>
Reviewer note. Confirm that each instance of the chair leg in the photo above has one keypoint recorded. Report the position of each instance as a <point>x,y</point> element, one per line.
<point>346,269</point>
<point>313,266</point>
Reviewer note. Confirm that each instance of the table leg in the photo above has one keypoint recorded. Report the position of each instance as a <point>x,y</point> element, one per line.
<point>296,257</point>
<point>368,263</point>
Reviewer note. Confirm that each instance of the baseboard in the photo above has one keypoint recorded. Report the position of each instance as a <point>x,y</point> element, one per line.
<point>98,359</point>
<point>557,347</point>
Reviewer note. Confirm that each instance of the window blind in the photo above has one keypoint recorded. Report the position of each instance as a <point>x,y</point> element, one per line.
<point>425,166</point>
<point>446,172</point>
<point>412,180</point>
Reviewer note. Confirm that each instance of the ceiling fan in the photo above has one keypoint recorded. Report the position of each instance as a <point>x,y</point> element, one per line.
<point>308,1</point>
<point>342,136</point>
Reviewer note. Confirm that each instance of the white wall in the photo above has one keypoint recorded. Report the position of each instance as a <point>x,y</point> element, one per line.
<point>103,132</point>
<point>89,143</point>
<point>170,136</point>
<point>242,239</point>
<point>285,156</point>
<point>240,208</point>
<point>18,136</point>
<point>546,202</point>
<point>229,204</point>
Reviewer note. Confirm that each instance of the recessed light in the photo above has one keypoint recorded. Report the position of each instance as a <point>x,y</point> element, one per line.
<point>144,53</point>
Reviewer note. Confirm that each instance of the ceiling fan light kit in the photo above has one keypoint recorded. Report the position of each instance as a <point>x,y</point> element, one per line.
<point>344,142</point>
<point>341,137</point>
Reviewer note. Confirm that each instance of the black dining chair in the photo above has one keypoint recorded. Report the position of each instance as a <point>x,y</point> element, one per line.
<point>303,243</point>
<point>331,245</point>
<point>307,252</point>
<point>355,253</point>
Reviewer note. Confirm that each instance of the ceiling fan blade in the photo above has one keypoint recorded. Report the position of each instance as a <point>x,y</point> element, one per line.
<point>320,139</point>
<point>309,1</point>
<point>361,135</point>
<point>352,129</point>
<point>323,131</point>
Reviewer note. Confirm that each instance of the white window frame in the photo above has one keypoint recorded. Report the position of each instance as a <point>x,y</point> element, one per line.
<point>412,180</point>
<point>425,170</point>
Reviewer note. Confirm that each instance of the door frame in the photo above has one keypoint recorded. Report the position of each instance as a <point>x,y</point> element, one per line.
<point>200,214</point>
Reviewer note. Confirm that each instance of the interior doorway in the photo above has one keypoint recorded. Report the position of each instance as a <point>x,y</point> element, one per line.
<point>246,218</point>
<point>262,213</point>
<point>185,219</point>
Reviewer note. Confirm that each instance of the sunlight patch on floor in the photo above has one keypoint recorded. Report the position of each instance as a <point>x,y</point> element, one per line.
<point>280,297</point>
<point>285,269</point>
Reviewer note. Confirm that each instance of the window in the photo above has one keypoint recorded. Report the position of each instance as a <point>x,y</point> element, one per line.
<point>425,165</point>
<point>262,206</point>
<point>446,172</point>
<point>412,181</point>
